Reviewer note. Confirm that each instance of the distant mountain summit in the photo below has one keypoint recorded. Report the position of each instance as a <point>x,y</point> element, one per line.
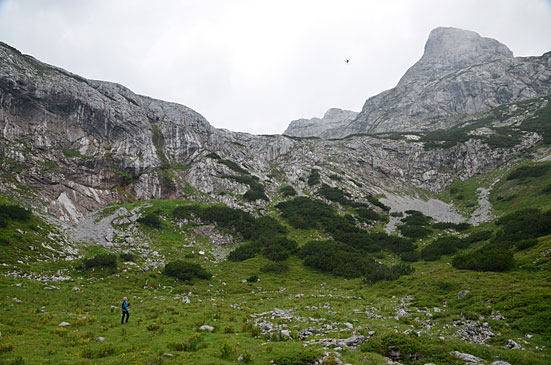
<point>460,73</point>
<point>452,49</point>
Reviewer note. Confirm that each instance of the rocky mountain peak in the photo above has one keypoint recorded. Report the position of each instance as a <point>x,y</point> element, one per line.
<point>450,49</point>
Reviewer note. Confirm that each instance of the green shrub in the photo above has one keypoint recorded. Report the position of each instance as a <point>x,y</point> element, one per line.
<point>101,260</point>
<point>275,267</point>
<point>479,236</point>
<point>227,351</point>
<point>253,279</point>
<point>442,246</point>
<point>127,257</point>
<point>254,195</point>
<point>232,165</point>
<point>416,218</point>
<point>546,190</point>
<point>335,177</point>
<point>186,271</point>
<point>529,171</point>
<point>14,212</point>
<point>524,224</point>
<point>525,244</point>
<point>72,153</point>
<point>414,231</point>
<point>459,227</point>
<point>297,357</point>
<point>377,203</point>
<point>244,252</point>
<point>334,194</point>
<point>485,260</point>
<point>151,220</point>
<point>367,213</point>
<point>288,191</point>
<point>314,178</point>
<point>411,256</point>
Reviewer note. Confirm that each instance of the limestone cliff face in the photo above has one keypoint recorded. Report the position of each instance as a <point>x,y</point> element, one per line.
<point>333,119</point>
<point>69,146</point>
<point>459,73</point>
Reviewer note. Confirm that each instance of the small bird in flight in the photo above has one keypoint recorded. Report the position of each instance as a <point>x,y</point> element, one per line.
<point>347,60</point>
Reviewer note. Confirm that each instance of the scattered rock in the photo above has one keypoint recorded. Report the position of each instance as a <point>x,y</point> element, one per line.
<point>16,300</point>
<point>64,324</point>
<point>186,300</point>
<point>467,357</point>
<point>513,345</point>
<point>286,333</point>
<point>462,293</point>
<point>100,339</point>
<point>500,363</point>
<point>206,328</point>
<point>166,354</point>
<point>76,288</point>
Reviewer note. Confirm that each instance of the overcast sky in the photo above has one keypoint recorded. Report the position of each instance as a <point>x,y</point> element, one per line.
<point>256,65</point>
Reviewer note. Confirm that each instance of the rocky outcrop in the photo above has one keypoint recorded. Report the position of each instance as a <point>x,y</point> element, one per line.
<point>460,73</point>
<point>333,119</point>
<point>70,145</point>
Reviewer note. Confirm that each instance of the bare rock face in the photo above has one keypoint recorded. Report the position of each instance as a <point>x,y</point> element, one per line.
<point>69,146</point>
<point>460,73</point>
<point>334,119</point>
<point>452,49</point>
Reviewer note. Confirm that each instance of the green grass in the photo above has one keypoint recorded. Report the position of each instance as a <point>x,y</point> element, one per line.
<point>160,320</point>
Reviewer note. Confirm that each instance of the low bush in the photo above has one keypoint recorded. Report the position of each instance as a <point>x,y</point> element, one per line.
<point>186,271</point>
<point>411,256</point>
<point>529,171</point>
<point>127,257</point>
<point>442,246</point>
<point>254,195</point>
<point>288,191</point>
<point>334,194</point>
<point>526,244</point>
<point>459,227</point>
<point>416,218</point>
<point>414,231</point>
<point>314,177</point>
<point>297,357</point>
<point>14,212</point>
<point>244,252</point>
<point>479,236</point>
<point>151,220</point>
<point>367,213</point>
<point>253,279</point>
<point>485,260</point>
<point>377,203</point>
<point>101,260</point>
<point>524,224</point>
<point>546,190</point>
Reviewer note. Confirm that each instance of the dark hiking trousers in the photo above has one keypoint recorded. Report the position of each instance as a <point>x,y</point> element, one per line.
<point>125,313</point>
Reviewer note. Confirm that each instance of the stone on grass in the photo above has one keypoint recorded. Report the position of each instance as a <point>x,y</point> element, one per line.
<point>513,345</point>
<point>206,328</point>
<point>286,333</point>
<point>462,293</point>
<point>16,300</point>
<point>64,324</point>
<point>500,363</point>
<point>100,339</point>
<point>166,354</point>
<point>467,357</point>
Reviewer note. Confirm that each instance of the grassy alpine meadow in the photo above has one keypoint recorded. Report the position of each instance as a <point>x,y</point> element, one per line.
<point>209,310</point>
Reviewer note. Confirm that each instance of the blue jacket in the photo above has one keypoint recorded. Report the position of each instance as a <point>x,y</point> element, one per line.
<point>124,306</point>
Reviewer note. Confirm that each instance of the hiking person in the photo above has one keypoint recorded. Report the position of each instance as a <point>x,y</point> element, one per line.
<point>124,307</point>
